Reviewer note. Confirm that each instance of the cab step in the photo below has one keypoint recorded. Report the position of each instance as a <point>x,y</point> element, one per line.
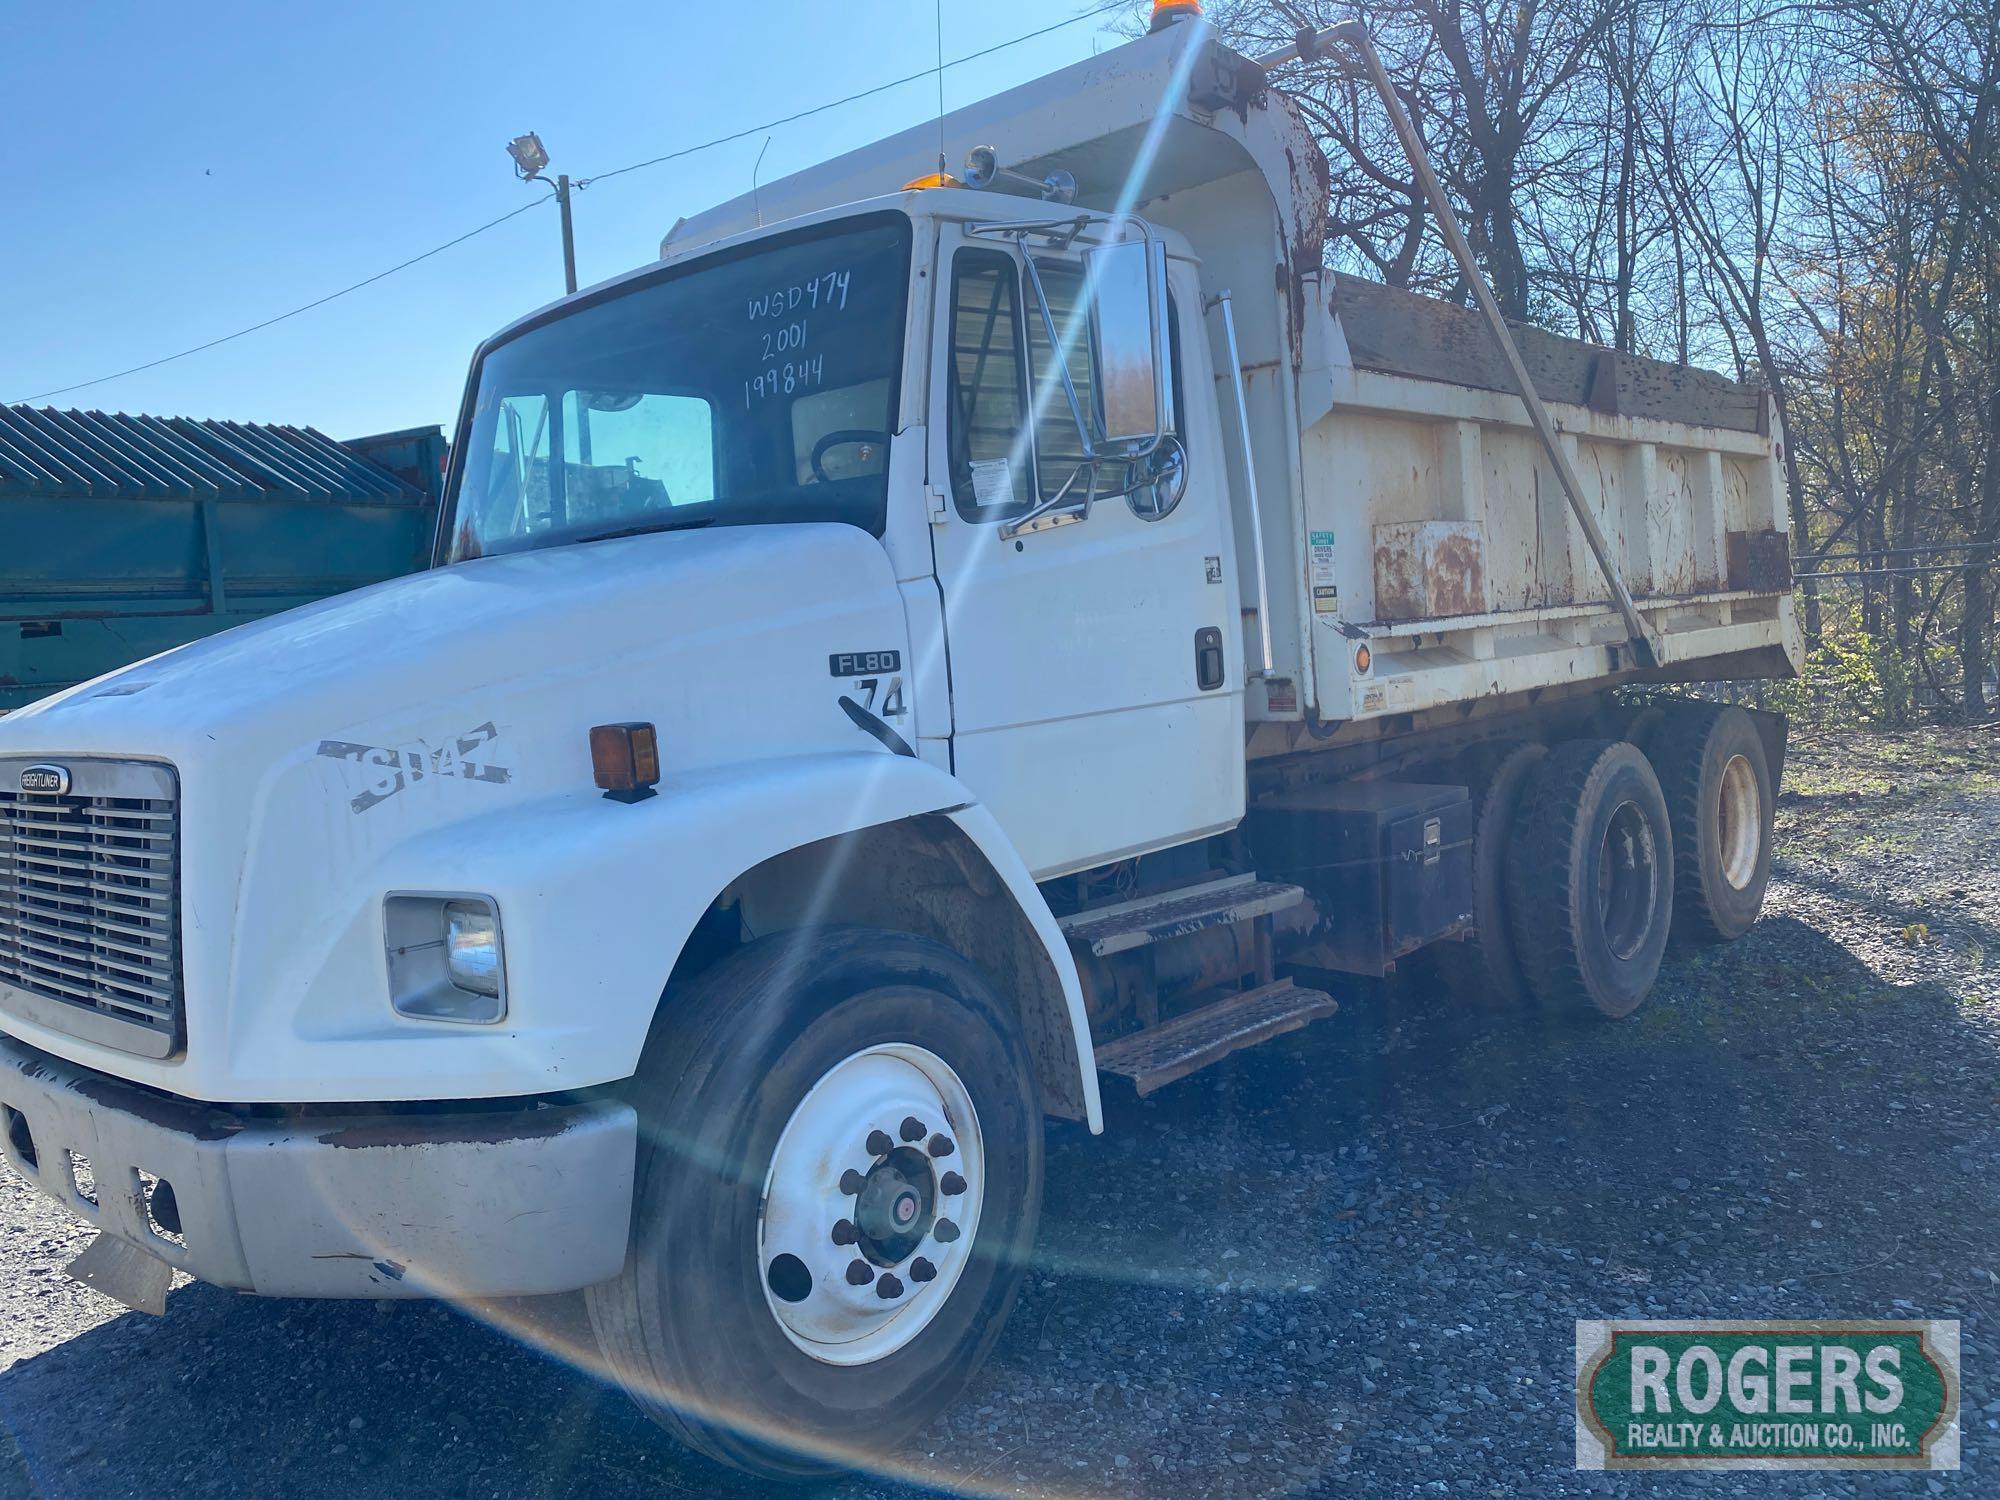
<point>1167,1053</point>
<point>1170,914</point>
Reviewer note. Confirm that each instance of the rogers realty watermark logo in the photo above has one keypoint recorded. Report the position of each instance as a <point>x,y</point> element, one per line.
<point>1721,1395</point>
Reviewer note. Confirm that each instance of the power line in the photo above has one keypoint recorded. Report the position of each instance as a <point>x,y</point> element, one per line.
<point>582,182</point>
<point>869,93</point>
<point>63,390</point>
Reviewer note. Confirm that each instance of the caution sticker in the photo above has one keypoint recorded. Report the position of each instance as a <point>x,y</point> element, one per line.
<point>1325,587</point>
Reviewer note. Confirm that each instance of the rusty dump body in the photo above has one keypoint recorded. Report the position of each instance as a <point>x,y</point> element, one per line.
<point>1406,502</point>
<point>1438,530</point>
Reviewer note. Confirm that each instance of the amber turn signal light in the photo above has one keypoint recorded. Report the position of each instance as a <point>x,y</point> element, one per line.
<point>625,759</point>
<point>1363,660</point>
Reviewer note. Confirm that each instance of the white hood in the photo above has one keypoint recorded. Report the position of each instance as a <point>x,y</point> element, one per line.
<point>315,749</point>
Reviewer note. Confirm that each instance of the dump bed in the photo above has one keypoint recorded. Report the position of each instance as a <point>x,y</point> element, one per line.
<point>1403,500</point>
<point>1432,528</point>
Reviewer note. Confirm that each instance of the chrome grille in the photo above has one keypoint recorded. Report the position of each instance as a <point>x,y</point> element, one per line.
<point>90,902</point>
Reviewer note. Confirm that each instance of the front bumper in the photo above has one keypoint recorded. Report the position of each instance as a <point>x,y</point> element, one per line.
<point>511,1202</point>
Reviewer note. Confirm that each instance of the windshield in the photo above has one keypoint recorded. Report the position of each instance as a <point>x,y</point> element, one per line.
<point>758,386</point>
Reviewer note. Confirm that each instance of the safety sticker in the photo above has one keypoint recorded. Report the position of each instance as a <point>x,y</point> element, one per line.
<point>1325,586</point>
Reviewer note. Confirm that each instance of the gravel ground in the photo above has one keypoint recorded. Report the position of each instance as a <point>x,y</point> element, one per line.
<point>1349,1258</point>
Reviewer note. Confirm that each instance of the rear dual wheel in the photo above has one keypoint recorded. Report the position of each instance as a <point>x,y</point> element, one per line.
<point>840,1173</point>
<point>1717,779</point>
<point>1590,874</point>
<point>1485,968</point>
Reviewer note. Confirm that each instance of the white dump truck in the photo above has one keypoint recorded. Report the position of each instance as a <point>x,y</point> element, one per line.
<point>928,648</point>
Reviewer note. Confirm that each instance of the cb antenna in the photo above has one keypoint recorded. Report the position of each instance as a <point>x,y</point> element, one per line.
<point>937,7</point>
<point>756,204</point>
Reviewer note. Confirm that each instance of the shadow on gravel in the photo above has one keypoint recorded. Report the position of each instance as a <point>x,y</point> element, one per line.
<point>1889,913</point>
<point>239,1396</point>
<point>1351,1257</point>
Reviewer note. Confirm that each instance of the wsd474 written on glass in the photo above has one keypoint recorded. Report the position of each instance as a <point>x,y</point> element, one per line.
<point>1779,1395</point>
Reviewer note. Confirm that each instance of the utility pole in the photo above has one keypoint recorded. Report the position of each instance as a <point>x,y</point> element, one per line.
<point>568,232</point>
<point>530,157</point>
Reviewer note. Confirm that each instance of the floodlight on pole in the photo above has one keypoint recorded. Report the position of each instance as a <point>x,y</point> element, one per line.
<point>529,154</point>
<point>531,157</point>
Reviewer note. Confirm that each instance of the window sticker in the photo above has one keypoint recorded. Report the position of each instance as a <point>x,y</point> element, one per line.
<point>992,482</point>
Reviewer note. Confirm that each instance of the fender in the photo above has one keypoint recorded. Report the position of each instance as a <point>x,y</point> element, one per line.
<point>597,899</point>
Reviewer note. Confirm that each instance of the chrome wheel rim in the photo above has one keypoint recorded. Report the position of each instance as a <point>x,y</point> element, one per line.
<point>871,1204</point>
<point>1740,822</point>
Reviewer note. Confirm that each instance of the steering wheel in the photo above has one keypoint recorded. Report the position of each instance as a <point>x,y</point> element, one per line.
<point>835,438</point>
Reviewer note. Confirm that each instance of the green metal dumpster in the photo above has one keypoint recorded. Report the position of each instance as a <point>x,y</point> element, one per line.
<point>122,536</point>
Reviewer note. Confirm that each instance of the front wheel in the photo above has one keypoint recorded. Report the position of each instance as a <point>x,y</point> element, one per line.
<point>839,1180</point>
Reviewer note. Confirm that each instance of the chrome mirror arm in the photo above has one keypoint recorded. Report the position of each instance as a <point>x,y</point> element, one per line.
<point>1011,529</point>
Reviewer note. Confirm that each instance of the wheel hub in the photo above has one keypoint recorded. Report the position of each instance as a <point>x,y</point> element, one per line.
<point>1628,879</point>
<point>1739,822</point>
<point>893,1210</point>
<point>871,1204</point>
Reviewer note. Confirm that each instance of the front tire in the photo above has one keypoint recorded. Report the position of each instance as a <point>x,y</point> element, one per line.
<point>839,1179</point>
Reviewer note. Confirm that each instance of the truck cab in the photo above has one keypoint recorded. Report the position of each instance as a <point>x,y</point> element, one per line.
<point>932,370</point>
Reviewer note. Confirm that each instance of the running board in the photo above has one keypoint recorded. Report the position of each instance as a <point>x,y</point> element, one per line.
<point>1167,1053</point>
<point>1171,914</point>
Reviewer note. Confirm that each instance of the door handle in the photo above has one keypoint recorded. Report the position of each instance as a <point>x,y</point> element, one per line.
<point>1208,668</point>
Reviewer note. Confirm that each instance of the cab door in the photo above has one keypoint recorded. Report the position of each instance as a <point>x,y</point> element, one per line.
<point>1096,660</point>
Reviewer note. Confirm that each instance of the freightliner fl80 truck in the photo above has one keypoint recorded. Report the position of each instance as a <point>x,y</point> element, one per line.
<point>930,647</point>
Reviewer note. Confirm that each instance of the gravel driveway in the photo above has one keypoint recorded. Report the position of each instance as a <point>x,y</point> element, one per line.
<point>1348,1259</point>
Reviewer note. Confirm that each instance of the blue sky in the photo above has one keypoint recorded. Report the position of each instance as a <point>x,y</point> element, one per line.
<point>182,170</point>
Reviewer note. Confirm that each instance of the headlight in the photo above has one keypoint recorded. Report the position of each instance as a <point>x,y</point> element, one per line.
<point>446,959</point>
<point>472,946</point>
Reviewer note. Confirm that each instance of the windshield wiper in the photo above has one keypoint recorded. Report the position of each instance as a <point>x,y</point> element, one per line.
<point>644,528</point>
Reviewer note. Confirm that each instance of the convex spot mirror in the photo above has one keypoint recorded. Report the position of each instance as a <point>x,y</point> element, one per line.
<point>1158,480</point>
<point>1127,284</point>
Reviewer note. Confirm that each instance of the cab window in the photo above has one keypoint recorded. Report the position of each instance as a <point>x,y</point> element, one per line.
<point>626,452</point>
<point>1004,381</point>
<point>992,456</point>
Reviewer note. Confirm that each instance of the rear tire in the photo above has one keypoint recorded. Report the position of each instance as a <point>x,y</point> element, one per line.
<point>785,1359</point>
<point>1485,969</point>
<point>1591,871</point>
<point>1717,781</point>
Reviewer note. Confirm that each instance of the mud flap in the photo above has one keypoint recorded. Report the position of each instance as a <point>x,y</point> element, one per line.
<point>125,1273</point>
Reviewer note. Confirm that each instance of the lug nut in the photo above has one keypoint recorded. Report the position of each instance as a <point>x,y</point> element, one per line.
<point>843,1232</point>
<point>941,1145</point>
<point>951,1184</point>
<point>888,1288</point>
<point>859,1273</point>
<point>912,1129</point>
<point>944,1231</point>
<point>852,1182</point>
<point>922,1270</point>
<point>879,1143</point>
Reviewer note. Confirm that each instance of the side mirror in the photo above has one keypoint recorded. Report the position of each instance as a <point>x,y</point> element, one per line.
<point>1127,284</point>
